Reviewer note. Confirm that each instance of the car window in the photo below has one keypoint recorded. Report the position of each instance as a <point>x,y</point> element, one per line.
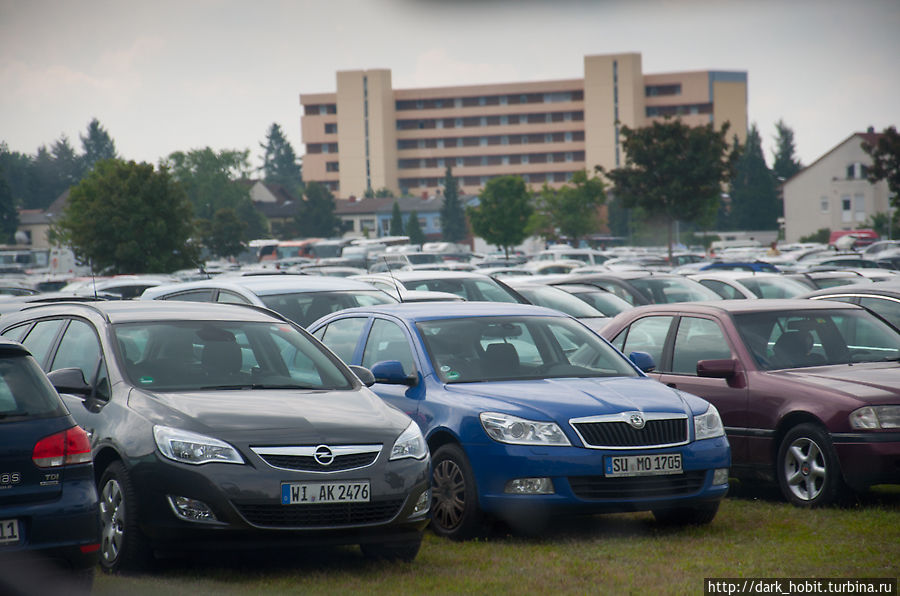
<point>774,287</point>
<point>307,307</point>
<point>666,290</point>
<point>192,296</point>
<point>616,289</point>
<point>17,333</point>
<point>231,298</point>
<point>726,291</point>
<point>40,339</point>
<point>341,336</point>
<point>648,334</point>
<point>80,348</point>
<point>387,341</point>
<point>25,391</point>
<point>697,339</point>
<point>885,307</point>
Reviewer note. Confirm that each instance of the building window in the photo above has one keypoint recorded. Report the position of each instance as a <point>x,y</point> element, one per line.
<point>655,90</point>
<point>859,207</point>
<point>846,209</point>
<point>331,128</point>
<point>823,204</point>
<point>332,166</point>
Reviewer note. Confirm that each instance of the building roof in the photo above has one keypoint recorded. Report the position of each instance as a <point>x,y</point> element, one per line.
<point>870,137</point>
<point>386,205</point>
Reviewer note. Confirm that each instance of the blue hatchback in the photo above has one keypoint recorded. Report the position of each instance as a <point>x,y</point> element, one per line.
<point>529,414</point>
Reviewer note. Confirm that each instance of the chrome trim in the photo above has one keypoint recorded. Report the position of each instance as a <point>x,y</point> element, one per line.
<point>312,451</point>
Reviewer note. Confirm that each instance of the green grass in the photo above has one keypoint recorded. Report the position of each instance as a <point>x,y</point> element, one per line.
<point>752,536</point>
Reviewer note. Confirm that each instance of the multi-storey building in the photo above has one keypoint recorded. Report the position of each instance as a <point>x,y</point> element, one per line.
<point>368,135</point>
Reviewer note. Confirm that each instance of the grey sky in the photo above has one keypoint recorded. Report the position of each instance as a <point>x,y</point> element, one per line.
<point>168,75</point>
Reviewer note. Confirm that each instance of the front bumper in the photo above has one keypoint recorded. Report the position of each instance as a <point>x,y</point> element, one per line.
<point>868,458</point>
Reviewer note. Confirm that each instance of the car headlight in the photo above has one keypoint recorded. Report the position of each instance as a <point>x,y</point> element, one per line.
<point>875,417</point>
<point>410,443</point>
<point>193,448</point>
<point>520,431</point>
<point>708,425</point>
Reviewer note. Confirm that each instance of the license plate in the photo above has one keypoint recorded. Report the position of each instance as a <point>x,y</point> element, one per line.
<point>303,493</point>
<point>643,465</point>
<point>9,531</point>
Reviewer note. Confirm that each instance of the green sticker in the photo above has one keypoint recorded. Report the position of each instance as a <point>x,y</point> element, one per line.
<point>146,380</point>
<point>452,375</point>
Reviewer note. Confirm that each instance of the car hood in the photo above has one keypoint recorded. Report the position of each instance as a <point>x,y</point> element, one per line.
<point>276,415</point>
<point>563,399</point>
<point>872,382</point>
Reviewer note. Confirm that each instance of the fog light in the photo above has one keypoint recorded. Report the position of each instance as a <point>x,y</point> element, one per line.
<point>424,503</point>
<point>720,476</point>
<point>530,486</point>
<point>191,509</point>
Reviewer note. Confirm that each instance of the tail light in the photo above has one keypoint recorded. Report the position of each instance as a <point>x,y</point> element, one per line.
<point>71,446</point>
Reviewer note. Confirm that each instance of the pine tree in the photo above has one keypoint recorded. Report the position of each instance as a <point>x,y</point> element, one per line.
<point>786,165</point>
<point>754,199</point>
<point>315,218</point>
<point>97,146</point>
<point>280,163</point>
<point>414,230</point>
<point>453,215</point>
<point>396,221</point>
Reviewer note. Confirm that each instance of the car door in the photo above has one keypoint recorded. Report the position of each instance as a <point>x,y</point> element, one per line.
<point>703,338</point>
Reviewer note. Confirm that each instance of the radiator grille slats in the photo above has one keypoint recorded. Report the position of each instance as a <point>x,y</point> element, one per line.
<point>622,434</point>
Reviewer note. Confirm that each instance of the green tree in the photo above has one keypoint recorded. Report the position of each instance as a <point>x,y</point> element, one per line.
<point>885,153</point>
<point>673,171</point>
<point>786,164</point>
<point>822,235</point>
<point>128,218</point>
<point>384,193</point>
<point>16,170</point>
<point>414,229</point>
<point>67,164</point>
<point>396,220</point>
<point>501,217</point>
<point>315,216</point>
<point>571,210</point>
<point>453,215</point>
<point>9,214</point>
<point>225,233</point>
<point>97,145</point>
<point>754,197</point>
<point>280,163</point>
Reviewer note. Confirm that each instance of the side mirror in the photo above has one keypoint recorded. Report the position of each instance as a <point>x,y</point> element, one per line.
<point>364,375</point>
<point>643,361</point>
<point>724,368</point>
<point>391,372</point>
<point>70,380</point>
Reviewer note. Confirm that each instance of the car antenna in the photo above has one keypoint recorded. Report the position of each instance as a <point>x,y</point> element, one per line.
<point>393,279</point>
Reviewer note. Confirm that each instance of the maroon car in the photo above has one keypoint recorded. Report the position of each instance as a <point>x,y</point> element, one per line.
<point>809,391</point>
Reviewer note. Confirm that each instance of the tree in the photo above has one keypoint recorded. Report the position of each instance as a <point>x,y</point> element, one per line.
<point>453,215</point>
<point>15,168</point>
<point>97,146</point>
<point>414,230</point>
<point>396,220</point>
<point>571,210</point>
<point>9,214</point>
<point>786,164</point>
<point>315,216</point>
<point>673,170</point>
<point>280,163</point>
<point>885,155</point>
<point>502,216</point>
<point>128,218</point>
<point>68,166</point>
<point>225,233</point>
<point>754,197</point>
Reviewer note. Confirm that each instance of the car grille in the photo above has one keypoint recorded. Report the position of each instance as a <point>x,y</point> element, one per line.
<point>600,487</point>
<point>622,434</point>
<point>309,464</point>
<point>324,515</point>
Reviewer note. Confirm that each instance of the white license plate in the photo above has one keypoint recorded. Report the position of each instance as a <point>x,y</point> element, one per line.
<point>303,493</point>
<point>9,531</point>
<point>643,465</point>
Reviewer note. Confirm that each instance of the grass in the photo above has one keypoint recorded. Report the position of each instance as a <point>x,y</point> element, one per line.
<point>754,535</point>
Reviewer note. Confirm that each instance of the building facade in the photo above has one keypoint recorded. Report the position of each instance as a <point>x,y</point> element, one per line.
<point>833,192</point>
<point>368,135</point>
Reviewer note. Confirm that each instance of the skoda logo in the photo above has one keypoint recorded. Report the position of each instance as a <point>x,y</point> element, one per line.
<point>636,421</point>
<point>323,455</point>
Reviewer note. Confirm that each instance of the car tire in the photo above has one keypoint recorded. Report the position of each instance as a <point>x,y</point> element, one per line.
<point>455,513</point>
<point>809,474</point>
<point>123,546</point>
<point>698,515</point>
<point>392,551</point>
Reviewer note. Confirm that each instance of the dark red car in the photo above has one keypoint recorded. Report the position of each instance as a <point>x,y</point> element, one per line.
<point>809,392</point>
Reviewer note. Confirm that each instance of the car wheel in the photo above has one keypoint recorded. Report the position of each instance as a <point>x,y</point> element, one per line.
<point>698,515</point>
<point>122,545</point>
<point>392,551</point>
<point>454,508</point>
<point>808,471</point>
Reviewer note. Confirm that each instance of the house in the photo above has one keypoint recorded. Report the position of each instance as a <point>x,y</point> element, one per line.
<point>372,217</point>
<point>833,192</point>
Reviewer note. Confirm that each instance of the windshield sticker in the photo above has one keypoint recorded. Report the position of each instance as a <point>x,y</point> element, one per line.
<point>145,380</point>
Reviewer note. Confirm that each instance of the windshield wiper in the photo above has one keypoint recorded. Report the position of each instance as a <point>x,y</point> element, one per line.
<point>258,386</point>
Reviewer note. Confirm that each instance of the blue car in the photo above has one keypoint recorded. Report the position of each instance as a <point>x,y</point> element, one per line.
<point>529,414</point>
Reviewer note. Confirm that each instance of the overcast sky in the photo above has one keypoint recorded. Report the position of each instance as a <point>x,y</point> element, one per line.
<point>168,75</point>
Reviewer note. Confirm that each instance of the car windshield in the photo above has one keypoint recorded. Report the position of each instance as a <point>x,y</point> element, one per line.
<point>559,300</point>
<point>664,290</point>
<point>467,288</point>
<point>606,302</point>
<point>304,308</point>
<point>475,349</point>
<point>774,287</point>
<point>797,338</point>
<point>185,355</point>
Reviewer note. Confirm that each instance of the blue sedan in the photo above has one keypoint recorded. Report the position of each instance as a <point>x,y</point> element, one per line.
<point>529,414</point>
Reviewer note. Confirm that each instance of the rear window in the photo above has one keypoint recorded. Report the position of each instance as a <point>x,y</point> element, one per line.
<point>25,391</point>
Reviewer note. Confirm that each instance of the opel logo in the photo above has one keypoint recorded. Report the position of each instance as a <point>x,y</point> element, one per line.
<point>323,455</point>
<point>636,421</point>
